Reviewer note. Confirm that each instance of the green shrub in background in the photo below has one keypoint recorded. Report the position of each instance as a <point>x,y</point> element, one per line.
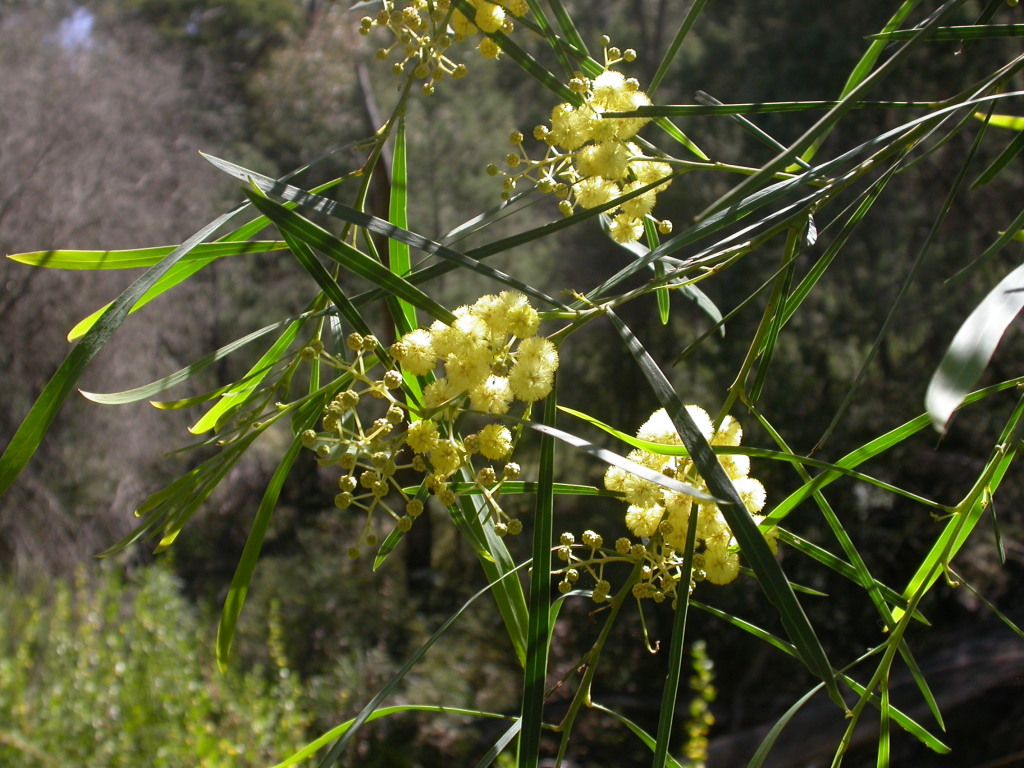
<point>104,673</point>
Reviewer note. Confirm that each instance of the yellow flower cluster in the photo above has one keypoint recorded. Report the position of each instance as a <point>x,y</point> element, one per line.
<point>654,509</point>
<point>661,517</point>
<point>490,355</point>
<point>424,30</point>
<point>590,159</point>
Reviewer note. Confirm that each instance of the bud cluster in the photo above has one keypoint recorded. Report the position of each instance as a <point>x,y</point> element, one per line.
<point>424,30</point>
<point>590,160</point>
<point>375,433</point>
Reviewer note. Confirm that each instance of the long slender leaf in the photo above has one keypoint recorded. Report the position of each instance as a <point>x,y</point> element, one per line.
<point>831,118</point>
<point>773,581</point>
<point>168,382</point>
<point>677,41</point>
<point>970,510</point>
<point>314,202</point>
<point>864,66</point>
<point>966,32</point>
<point>404,316</point>
<point>639,732</point>
<point>238,395</point>
<point>306,231</point>
<point>972,348</point>
<point>539,630</point>
<point>1009,153</point>
<point>240,582</point>
<point>340,730</point>
<point>136,258</point>
<point>30,433</point>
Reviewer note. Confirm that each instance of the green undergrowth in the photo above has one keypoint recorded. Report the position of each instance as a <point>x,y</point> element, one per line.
<point>107,672</point>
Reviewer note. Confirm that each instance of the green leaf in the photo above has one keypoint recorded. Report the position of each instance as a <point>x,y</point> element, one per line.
<point>966,32</point>
<point>1009,153</point>
<point>752,543</point>
<point>539,629</point>
<point>320,239</point>
<point>775,731</point>
<point>525,61</point>
<point>31,431</point>
<point>404,315</point>
<point>239,394</point>
<point>168,382</point>
<point>639,732</point>
<point>338,731</point>
<point>677,41</point>
<point>864,67</point>
<point>617,461</point>
<point>322,205</point>
<point>235,599</point>
<point>328,284</point>
<point>972,348</point>
<point>969,511</point>
<point>140,257</point>
<point>1012,122</point>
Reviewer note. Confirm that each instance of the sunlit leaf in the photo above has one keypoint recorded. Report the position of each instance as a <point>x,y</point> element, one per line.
<point>972,348</point>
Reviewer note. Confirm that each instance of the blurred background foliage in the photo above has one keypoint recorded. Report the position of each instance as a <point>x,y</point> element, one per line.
<point>104,106</point>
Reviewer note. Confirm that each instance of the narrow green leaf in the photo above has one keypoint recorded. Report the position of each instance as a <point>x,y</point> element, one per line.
<point>774,313</point>
<point>168,382</point>
<point>31,431</point>
<point>966,32</point>
<point>871,449</point>
<point>321,205</point>
<point>567,25</point>
<point>677,41</point>
<point>474,520</point>
<point>674,133</point>
<point>235,599</point>
<point>304,230</point>
<point>1009,153</point>
<point>539,630</point>
<point>972,348</point>
<point>398,252</point>
<point>499,746</point>
<point>988,604</point>
<point>327,284</point>
<point>136,258</point>
<point>1013,232</point>
<point>639,732</point>
<point>904,721</point>
<point>317,744</point>
<point>670,691</point>
<point>240,394</point>
<point>768,742</point>
<point>864,67</point>
<point>752,543</point>
<point>175,276</point>
<point>544,28</point>
<point>841,567</point>
<point>525,61</point>
<point>1012,122</point>
<point>813,135</point>
<point>715,107</point>
<point>617,461</point>
<point>970,510</point>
